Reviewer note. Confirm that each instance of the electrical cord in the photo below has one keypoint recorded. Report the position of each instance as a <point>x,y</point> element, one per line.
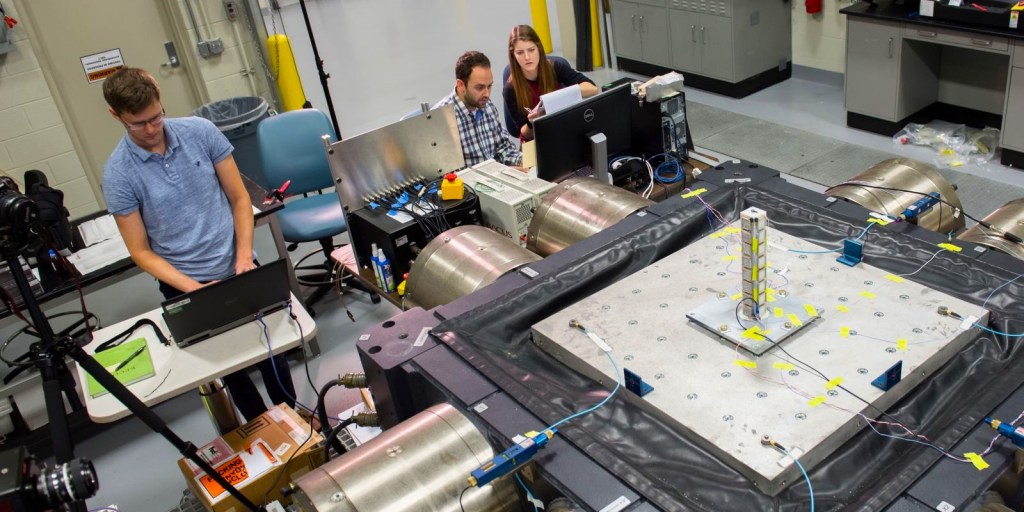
<point>670,164</point>
<point>618,384</point>
<point>332,439</point>
<point>767,441</point>
<point>529,495</point>
<point>821,375</point>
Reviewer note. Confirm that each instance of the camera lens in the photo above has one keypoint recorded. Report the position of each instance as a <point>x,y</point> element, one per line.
<point>67,483</point>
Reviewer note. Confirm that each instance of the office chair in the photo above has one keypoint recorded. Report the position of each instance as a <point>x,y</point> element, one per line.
<point>291,148</point>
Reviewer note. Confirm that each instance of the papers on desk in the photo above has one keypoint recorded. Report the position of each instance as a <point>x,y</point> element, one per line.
<point>97,230</point>
<point>99,255</point>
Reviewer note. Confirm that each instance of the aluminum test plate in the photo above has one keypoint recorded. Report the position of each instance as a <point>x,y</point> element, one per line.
<point>868,320</point>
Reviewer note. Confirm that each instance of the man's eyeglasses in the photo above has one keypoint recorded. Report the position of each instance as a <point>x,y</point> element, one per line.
<point>154,121</point>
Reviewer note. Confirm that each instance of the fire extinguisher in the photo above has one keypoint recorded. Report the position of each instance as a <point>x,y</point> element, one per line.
<point>812,6</point>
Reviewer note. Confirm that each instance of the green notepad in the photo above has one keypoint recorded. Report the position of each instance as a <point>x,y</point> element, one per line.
<point>140,366</point>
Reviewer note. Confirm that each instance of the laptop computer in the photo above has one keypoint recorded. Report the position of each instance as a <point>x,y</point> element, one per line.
<point>226,304</point>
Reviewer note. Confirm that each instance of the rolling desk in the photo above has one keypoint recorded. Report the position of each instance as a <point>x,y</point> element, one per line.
<point>901,67</point>
<point>179,370</point>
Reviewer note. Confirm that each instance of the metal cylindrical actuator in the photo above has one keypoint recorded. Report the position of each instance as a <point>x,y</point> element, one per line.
<point>576,209</point>
<point>905,174</point>
<point>1008,218</point>
<point>461,261</point>
<point>418,465</point>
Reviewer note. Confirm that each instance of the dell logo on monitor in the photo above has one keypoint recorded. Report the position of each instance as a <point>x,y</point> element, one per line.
<point>588,115</point>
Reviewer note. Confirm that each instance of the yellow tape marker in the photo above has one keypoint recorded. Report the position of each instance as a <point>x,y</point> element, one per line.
<point>834,383</point>
<point>779,312</point>
<point>719,234</point>
<point>950,247</point>
<point>744,364</point>
<point>795,320</point>
<point>894,278</point>
<point>811,310</point>
<point>732,230</point>
<point>901,344</point>
<point>771,298</point>
<point>692,193</point>
<point>843,308</point>
<point>868,295</point>
<point>880,222</point>
<point>736,296</point>
<point>784,366</point>
<point>729,258</point>
<point>976,460</point>
<point>816,401</point>
<point>844,332</point>
<point>754,333</point>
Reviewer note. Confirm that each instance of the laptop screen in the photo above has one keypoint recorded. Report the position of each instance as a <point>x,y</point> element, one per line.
<point>226,304</point>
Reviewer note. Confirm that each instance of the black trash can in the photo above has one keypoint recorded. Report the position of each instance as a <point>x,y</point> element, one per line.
<point>237,119</point>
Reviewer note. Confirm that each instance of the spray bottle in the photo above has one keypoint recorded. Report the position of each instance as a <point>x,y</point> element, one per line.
<point>376,266</point>
<point>385,271</point>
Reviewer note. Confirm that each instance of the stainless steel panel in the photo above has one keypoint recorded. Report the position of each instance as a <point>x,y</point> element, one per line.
<point>868,321</point>
<point>420,464</point>
<point>461,261</point>
<point>424,146</point>
<point>1008,218</point>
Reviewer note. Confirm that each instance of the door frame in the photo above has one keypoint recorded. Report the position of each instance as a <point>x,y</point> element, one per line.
<point>172,21</point>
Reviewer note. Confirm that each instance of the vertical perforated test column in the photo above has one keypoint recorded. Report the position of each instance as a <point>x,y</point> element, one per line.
<point>754,233</point>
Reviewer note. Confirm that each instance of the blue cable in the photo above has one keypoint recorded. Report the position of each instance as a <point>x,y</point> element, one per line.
<point>277,375</point>
<point>802,470</point>
<point>671,163</point>
<point>1000,288</point>
<point>838,249</point>
<point>993,331</point>
<point>618,384</point>
<point>529,495</point>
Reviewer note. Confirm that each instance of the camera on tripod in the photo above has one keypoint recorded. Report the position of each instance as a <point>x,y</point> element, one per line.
<point>17,212</point>
<point>25,487</point>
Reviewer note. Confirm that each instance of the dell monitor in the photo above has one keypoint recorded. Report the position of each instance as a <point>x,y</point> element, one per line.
<point>569,139</point>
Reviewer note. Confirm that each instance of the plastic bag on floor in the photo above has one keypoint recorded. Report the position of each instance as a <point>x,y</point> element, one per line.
<point>956,144</point>
<point>936,134</point>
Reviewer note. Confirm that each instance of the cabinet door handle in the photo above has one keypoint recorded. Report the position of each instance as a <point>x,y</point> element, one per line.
<point>641,24</point>
<point>890,47</point>
<point>981,42</point>
<point>927,33</point>
<point>632,19</point>
<point>703,36</point>
<point>693,33</point>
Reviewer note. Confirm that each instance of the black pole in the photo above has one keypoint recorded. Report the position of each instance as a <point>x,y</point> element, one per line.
<point>49,352</point>
<point>320,69</point>
<point>60,429</point>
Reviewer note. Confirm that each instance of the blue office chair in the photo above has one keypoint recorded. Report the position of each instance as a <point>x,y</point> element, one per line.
<point>291,149</point>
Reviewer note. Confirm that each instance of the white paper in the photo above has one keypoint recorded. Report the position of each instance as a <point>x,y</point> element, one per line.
<point>99,255</point>
<point>561,99</point>
<point>98,230</point>
<point>927,8</point>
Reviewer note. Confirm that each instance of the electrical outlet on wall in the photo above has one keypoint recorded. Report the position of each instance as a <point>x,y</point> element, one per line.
<point>231,8</point>
<point>210,47</point>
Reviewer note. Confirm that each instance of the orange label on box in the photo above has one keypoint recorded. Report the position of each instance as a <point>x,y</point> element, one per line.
<point>251,462</point>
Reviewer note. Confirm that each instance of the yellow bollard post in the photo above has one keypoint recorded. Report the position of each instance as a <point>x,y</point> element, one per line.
<point>595,34</point>
<point>539,13</point>
<point>282,64</point>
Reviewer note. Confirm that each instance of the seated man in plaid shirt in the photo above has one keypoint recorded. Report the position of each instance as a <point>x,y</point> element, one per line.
<point>482,134</point>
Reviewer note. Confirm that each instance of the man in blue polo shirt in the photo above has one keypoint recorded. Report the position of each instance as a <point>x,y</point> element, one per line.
<point>180,205</point>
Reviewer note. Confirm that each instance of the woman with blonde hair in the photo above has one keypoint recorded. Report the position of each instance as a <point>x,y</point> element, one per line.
<point>533,74</point>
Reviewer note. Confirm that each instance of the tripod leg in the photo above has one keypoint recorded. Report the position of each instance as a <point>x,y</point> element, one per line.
<point>154,422</point>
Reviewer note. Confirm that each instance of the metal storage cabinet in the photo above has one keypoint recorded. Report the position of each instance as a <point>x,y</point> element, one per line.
<point>886,76</point>
<point>641,31</point>
<point>1013,115</point>
<point>728,40</point>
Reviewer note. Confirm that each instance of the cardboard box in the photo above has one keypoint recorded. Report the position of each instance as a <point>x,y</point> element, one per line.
<point>252,457</point>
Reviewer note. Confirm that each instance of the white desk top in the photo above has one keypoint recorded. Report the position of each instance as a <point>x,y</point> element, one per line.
<point>179,370</point>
